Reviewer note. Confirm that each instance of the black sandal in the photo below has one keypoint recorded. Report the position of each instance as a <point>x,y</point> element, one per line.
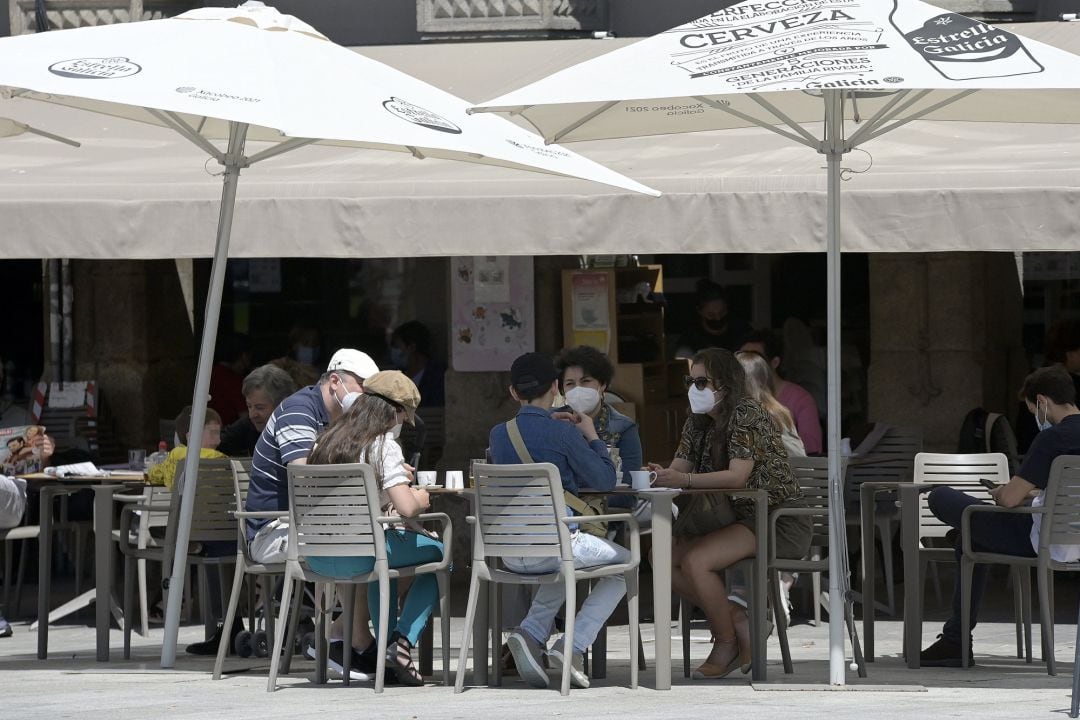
<point>399,659</point>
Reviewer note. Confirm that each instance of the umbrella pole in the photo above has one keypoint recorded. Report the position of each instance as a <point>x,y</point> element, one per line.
<point>833,148</point>
<point>234,162</point>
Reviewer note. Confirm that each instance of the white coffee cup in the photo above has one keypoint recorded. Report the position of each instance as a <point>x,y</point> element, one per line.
<point>426,478</point>
<point>455,480</point>
<point>642,479</point>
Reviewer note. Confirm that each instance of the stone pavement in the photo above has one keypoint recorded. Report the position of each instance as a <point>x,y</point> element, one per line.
<point>71,684</point>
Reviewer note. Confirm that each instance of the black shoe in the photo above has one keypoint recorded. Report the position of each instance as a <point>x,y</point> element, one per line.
<point>210,645</point>
<point>944,653</point>
<point>359,668</point>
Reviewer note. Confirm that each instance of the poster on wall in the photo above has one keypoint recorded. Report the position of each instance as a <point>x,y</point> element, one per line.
<point>492,313</point>
<point>589,308</point>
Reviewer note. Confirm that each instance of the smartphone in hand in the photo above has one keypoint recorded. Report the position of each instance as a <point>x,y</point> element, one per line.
<point>989,484</point>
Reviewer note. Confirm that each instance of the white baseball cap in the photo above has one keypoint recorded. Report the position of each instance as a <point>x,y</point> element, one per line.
<point>353,361</point>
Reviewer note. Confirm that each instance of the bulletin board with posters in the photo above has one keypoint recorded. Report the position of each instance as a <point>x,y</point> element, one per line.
<point>492,312</point>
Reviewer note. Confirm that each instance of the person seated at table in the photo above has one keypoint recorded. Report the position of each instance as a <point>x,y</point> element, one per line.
<point>571,443</point>
<point>164,473</point>
<point>1050,395</point>
<point>728,443</point>
<point>289,437</point>
<point>366,433</point>
<point>760,380</point>
<point>264,388</point>
<point>13,502</point>
<point>759,385</point>
<point>585,374</point>
<point>799,402</point>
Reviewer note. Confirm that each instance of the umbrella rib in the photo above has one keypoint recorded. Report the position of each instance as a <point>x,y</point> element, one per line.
<point>177,123</point>
<point>782,116</point>
<point>280,148</point>
<point>49,135</point>
<point>922,113</point>
<point>887,115</point>
<point>879,117</point>
<point>756,121</point>
<point>557,136</point>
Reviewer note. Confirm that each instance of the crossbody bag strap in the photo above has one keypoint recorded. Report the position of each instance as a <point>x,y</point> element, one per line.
<point>518,442</point>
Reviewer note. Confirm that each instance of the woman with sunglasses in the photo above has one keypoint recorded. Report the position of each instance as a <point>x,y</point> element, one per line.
<point>366,433</point>
<point>728,443</point>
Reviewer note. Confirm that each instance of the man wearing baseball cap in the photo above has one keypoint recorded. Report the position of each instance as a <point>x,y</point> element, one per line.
<point>288,438</point>
<point>570,442</point>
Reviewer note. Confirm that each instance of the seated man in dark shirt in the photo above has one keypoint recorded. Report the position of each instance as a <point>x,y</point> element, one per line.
<point>1050,395</point>
<point>264,388</point>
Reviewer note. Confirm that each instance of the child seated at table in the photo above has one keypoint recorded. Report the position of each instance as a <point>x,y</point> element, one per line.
<point>164,473</point>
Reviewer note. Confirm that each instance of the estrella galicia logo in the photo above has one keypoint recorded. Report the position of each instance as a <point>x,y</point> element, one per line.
<point>95,68</point>
<point>419,116</point>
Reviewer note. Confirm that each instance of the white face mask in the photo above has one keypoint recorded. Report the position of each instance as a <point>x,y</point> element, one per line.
<point>1045,423</point>
<point>396,431</point>
<point>583,399</point>
<point>701,401</point>
<point>346,401</point>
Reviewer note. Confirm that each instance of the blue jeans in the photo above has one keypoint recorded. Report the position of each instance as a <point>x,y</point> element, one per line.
<point>990,532</point>
<point>404,548</point>
<point>589,551</point>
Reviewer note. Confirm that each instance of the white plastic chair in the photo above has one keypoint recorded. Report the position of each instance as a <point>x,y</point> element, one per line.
<point>963,472</point>
<point>334,512</point>
<point>520,512</point>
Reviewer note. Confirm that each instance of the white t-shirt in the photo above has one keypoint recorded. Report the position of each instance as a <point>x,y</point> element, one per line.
<point>386,455</point>
<point>12,501</point>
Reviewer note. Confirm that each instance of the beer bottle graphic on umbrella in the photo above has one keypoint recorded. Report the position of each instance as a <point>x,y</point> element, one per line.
<point>961,48</point>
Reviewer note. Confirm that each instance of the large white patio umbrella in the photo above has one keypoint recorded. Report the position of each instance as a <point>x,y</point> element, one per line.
<point>254,74</point>
<point>867,66</point>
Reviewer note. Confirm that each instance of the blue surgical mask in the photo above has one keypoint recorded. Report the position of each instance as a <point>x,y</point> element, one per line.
<point>307,354</point>
<point>1045,423</point>
<point>398,357</point>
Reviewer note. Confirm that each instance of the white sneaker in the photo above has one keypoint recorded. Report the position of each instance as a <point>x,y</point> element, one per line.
<point>527,654</point>
<point>578,678</point>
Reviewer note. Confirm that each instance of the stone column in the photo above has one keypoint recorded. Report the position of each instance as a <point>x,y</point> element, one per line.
<point>945,338</point>
<point>132,336</point>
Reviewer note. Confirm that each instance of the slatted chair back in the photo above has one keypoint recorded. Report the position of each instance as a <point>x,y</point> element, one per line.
<point>333,511</point>
<point>1062,500</point>
<point>961,471</point>
<point>812,474</point>
<point>215,499</point>
<point>890,457</point>
<point>518,509</point>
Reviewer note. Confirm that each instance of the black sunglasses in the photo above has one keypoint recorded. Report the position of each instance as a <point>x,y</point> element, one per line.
<point>699,382</point>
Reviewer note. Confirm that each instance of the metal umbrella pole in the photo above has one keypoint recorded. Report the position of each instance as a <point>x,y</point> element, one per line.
<point>833,149</point>
<point>234,161</point>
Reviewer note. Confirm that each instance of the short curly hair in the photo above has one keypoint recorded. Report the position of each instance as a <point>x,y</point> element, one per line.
<point>594,363</point>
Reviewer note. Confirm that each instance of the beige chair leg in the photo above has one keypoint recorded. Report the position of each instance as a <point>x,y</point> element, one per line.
<point>230,616</point>
<point>275,653</point>
<point>568,635</point>
<point>635,629</point>
<point>470,616</point>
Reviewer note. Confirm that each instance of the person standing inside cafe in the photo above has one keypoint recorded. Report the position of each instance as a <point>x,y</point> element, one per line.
<point>570,442</point>
<point>729,442</point>
<point>715,324</point>
<point>1050,396</point>
<point>288,438</point>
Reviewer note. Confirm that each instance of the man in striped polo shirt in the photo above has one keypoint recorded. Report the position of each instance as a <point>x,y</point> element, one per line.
<point>288,438</point>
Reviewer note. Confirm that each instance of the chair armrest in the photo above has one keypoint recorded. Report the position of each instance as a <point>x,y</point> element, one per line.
<point>442,518</point>
<point>789,512</point>
<point>965,519</point>
<point>617,517</point>
<point>259,514</point>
